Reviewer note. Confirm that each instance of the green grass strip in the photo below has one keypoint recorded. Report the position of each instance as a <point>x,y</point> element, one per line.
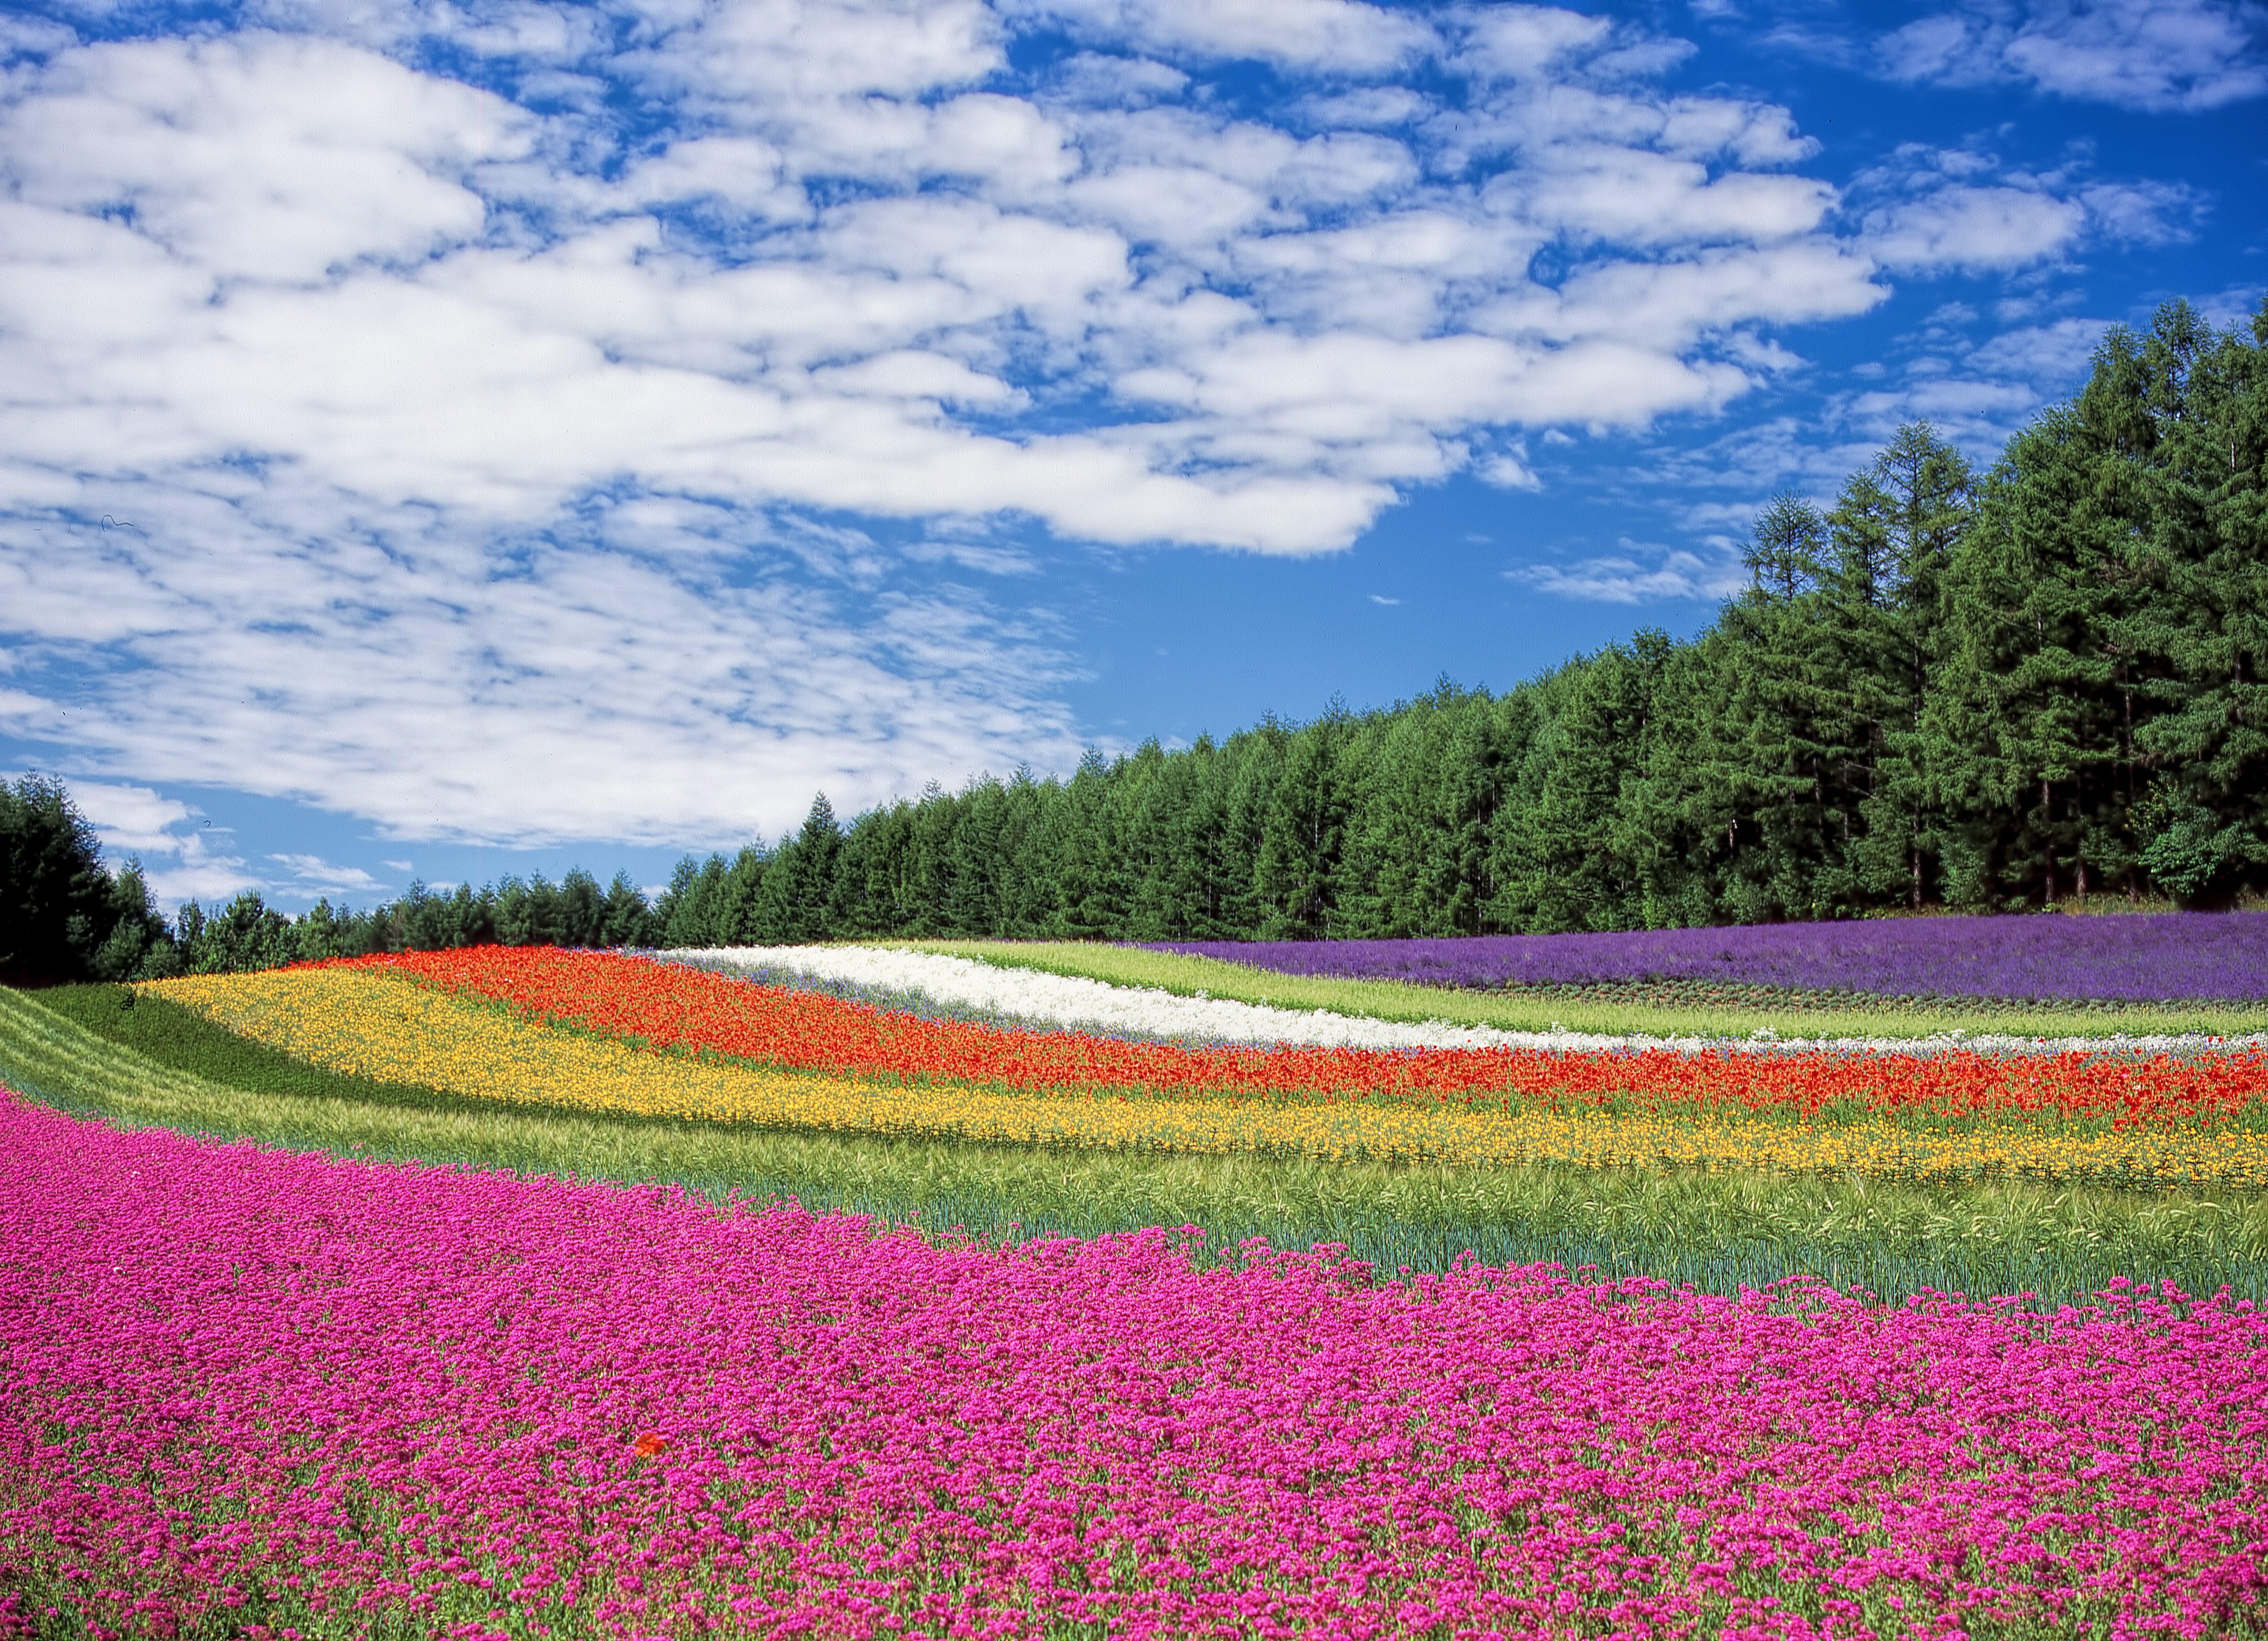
<point>179,1039</point>
<point>1719,1231</point>
<point>182,1040</point>
<point>1398,1000</point>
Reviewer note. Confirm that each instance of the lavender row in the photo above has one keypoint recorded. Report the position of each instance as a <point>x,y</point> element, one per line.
<point>2176,956</point>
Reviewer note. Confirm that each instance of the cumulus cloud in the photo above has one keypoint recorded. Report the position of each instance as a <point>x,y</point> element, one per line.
<point>2161,54</point>
<point>1641,573</point>
<point>2051,358</point>
<point>1946,210</point>
<point>1515,42</point>
<point>1508,470</point>
<point>1310,35</point>
<point>264,157</point>
<point>1974,228</point>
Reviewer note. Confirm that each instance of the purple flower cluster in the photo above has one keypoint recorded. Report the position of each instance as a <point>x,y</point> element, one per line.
<point>290,1391</point>
<point>2132,958</point>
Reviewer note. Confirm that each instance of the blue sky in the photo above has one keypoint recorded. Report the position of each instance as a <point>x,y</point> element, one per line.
<point>445,439</point>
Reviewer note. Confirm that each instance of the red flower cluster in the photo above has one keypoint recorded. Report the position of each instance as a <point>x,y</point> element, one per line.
<point>672,1007</point>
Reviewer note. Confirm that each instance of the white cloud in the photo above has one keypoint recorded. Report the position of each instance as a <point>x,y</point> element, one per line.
<point>1508,470</point>
<point>1101,80</point>
<point>1959,227</point>
<point>130,819</point>
<point>1641,573</point>
<point>1314,34</point>
<point>2146,213</point>
<point>1523,42</point>
<point>1632,196</point>
<point>767,58</point>
<point>1667,305</point>
<point>32,36</point>
<point>325,243</point>
<point>985,558</point>
<point>2051,358</point>
<point>352,157</point>
<point>1959,209</point>
<point>743,171</point>
<point>1365,106</point>
<point>629,685</point>
<point>312,874</point>
<point>2164,55</point>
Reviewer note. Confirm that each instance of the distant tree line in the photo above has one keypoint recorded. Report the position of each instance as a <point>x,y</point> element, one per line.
<point>247,934</point>
<point>1984,692</point>
<point>65,917</point>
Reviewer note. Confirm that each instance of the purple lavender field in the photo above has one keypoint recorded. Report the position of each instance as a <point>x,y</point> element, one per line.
<point>2186,956</point>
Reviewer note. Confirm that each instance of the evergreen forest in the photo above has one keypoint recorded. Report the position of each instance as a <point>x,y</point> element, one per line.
<point>1978,691</point>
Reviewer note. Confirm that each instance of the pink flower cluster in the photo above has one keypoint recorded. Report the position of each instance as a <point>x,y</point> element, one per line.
<point>321,1392</point>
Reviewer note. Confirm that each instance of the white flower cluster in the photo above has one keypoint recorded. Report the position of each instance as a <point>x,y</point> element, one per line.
<point>1048,1002</point>
<point>1059,1002</point>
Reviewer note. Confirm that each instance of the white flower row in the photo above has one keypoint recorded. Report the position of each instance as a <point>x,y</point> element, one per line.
<point>1059,1002</point>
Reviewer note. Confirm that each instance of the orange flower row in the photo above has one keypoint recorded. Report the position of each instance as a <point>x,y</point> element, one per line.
<point>674,1007</point>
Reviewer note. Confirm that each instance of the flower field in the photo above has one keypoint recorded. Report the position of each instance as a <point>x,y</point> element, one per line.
<point>305,1395</point>
<point>965,1298</point>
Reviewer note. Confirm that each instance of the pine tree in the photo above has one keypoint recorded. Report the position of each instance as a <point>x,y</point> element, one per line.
<point>795,899</point>
<point>1893,532</point>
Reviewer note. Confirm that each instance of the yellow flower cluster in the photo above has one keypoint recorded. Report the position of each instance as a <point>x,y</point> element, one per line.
<point>372,1023</point>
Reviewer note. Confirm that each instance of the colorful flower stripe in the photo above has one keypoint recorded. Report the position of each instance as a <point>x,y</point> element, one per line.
<point>246,1383</point>
<point>379,1022</point>
<point>679,1007</point>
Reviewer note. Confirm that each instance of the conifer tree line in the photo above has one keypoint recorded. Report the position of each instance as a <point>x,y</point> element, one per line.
<point>65,917</point>
<point>1980,691</point>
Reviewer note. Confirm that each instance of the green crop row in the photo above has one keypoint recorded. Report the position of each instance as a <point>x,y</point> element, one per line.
<point>1563,1010</point>
<point>1719,1231</point>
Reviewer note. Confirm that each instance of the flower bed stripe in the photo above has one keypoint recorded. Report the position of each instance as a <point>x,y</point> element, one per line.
<point>2142,958</point>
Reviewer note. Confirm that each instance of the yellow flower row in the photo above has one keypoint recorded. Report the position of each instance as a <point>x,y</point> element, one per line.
<point>369,1023</point>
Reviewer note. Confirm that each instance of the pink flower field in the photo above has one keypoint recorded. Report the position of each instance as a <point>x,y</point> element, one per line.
<point>257,1393</point>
